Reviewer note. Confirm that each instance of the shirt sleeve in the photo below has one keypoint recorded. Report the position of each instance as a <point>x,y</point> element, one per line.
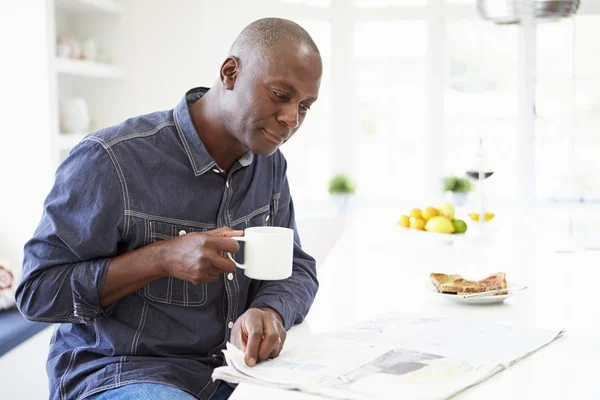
<point>66,261</point>
<point>291,297</point>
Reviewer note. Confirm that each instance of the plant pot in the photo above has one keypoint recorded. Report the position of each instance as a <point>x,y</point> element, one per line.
<point>457,199</point>
<point>341,202</point>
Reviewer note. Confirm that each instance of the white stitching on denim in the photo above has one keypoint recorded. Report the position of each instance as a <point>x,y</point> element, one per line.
<point>251,215</point>
<point>121,179</point>
<point>134,135</point>
<point>157,218</point>
<point>138,333</point>
<point>120,369</point>
<point>205,387</point>
<point>169,290</point>
<point>169,300</point>
<point>44,319</point>
<point>185,293</point>
<point>186,146</point>
<point>126,191</point>
<point>63,390</point>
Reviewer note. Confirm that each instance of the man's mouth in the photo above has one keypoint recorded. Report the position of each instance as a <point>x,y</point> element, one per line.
<point>273,138</point>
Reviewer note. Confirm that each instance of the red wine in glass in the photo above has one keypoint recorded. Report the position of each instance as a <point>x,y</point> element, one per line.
<point>475,174</point>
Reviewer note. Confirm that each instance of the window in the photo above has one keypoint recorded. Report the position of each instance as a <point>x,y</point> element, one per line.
<point>391,93</point>
<point>568,110</point>
<point>480,101</point>
<point>377,100</point>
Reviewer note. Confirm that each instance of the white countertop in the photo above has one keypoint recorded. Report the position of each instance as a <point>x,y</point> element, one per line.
<point>377,267</point>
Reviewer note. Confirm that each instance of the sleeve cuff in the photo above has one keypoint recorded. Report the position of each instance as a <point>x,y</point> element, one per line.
<point>87,284</point>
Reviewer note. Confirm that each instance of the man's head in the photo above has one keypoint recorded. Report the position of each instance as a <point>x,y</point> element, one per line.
<point>269,81</point>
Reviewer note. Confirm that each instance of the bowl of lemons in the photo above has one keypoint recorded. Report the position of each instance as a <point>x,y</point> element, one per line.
<point>438,220</point>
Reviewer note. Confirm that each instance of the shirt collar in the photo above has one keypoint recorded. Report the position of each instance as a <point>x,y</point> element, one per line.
<point>199,157</point>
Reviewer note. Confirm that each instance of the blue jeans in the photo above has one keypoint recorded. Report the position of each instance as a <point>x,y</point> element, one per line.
<point>157,391</point>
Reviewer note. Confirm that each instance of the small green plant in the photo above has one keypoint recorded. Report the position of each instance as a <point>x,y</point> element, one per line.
<point>340,183</point>
<point>457,184</point>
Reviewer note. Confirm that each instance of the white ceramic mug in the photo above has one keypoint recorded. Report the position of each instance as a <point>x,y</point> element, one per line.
<point>268,252</point>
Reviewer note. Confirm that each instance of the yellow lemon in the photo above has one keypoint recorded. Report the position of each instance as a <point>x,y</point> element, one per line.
<point>415,213</point>
<point>429,213</point>
<point>417,223</point>
<point>404,221</point>
<point>439,225</point>
<point>488,216</point>
<point>446,209</point>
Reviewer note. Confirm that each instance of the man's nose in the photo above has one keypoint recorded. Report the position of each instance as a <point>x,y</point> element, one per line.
<point>290,116</point>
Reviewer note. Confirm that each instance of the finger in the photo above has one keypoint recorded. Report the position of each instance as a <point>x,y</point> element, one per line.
<point>237,338</point>
<point>209,278</point>
<point>225,232</point>
<point>232,233</point>
<point>254,331</point>
<point>282,337</point>
<point>222,264</point>
<point>271,341</point>
<point>224,244</point>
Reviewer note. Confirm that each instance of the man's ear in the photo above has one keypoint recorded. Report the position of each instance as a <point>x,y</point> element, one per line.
<point>229,71</point>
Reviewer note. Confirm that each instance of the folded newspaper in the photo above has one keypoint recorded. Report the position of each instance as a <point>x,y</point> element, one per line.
<point>416,357</point>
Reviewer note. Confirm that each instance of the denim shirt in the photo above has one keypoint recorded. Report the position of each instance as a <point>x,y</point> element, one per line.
<point>125,187</point>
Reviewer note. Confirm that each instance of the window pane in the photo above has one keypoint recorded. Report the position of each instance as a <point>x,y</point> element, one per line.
<point>587,167</point>
<point>388,3</point>
<point>480,100</point>
<point>479,48</point>
<point>310,3</point>
<point>587,52</point>
<point>372,40</point>
<point>555,49</point>
<point>553,159</point>
<point>391,89</point>
<point>566,149</point>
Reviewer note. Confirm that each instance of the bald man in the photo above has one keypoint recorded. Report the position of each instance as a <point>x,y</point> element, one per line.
<point>127,258</point>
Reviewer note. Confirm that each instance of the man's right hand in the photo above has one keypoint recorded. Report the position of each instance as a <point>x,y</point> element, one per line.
<point>197,257</point>
<point>194,257</point>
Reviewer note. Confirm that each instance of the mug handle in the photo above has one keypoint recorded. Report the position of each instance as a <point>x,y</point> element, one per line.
<point>240,239</point>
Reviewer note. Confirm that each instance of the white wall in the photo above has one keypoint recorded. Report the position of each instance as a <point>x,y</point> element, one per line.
<point>25,156</point>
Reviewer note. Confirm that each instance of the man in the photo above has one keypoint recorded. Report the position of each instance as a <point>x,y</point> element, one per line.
<point>128,256</point>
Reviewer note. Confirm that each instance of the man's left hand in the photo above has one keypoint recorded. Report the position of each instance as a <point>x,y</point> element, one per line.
<point>259,332</point>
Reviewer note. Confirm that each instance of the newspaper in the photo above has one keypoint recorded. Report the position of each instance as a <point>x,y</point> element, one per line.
<point>422,358</point>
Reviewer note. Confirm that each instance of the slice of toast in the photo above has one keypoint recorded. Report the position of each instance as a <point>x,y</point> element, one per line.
<point>463,286</point>
<point>439,279</point>
<point>498,278</point>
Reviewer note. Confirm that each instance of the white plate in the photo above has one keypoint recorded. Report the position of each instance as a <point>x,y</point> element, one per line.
<point>476,300</point>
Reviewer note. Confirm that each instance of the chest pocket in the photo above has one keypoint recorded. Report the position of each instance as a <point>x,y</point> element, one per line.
<point>171,290</point>
<point>264,216</point>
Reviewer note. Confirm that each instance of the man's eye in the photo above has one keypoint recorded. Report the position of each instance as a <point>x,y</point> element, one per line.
<point>305,108</point>
<point>280,95</point>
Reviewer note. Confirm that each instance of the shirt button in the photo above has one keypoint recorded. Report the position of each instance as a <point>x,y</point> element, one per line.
<point>216,171</point>
<point>230,276</point>
<point>267,219</point>
<point>182,232</point>
<point>227,183</point>
<point>214,356</point>
<point>230,325</point>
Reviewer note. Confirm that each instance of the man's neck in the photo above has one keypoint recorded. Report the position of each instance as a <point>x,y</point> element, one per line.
<point>221,146</point>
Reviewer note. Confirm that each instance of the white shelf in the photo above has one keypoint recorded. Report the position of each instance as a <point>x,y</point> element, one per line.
<point>102,7</point>
<point>87,68</point>
<point>66,141</point>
